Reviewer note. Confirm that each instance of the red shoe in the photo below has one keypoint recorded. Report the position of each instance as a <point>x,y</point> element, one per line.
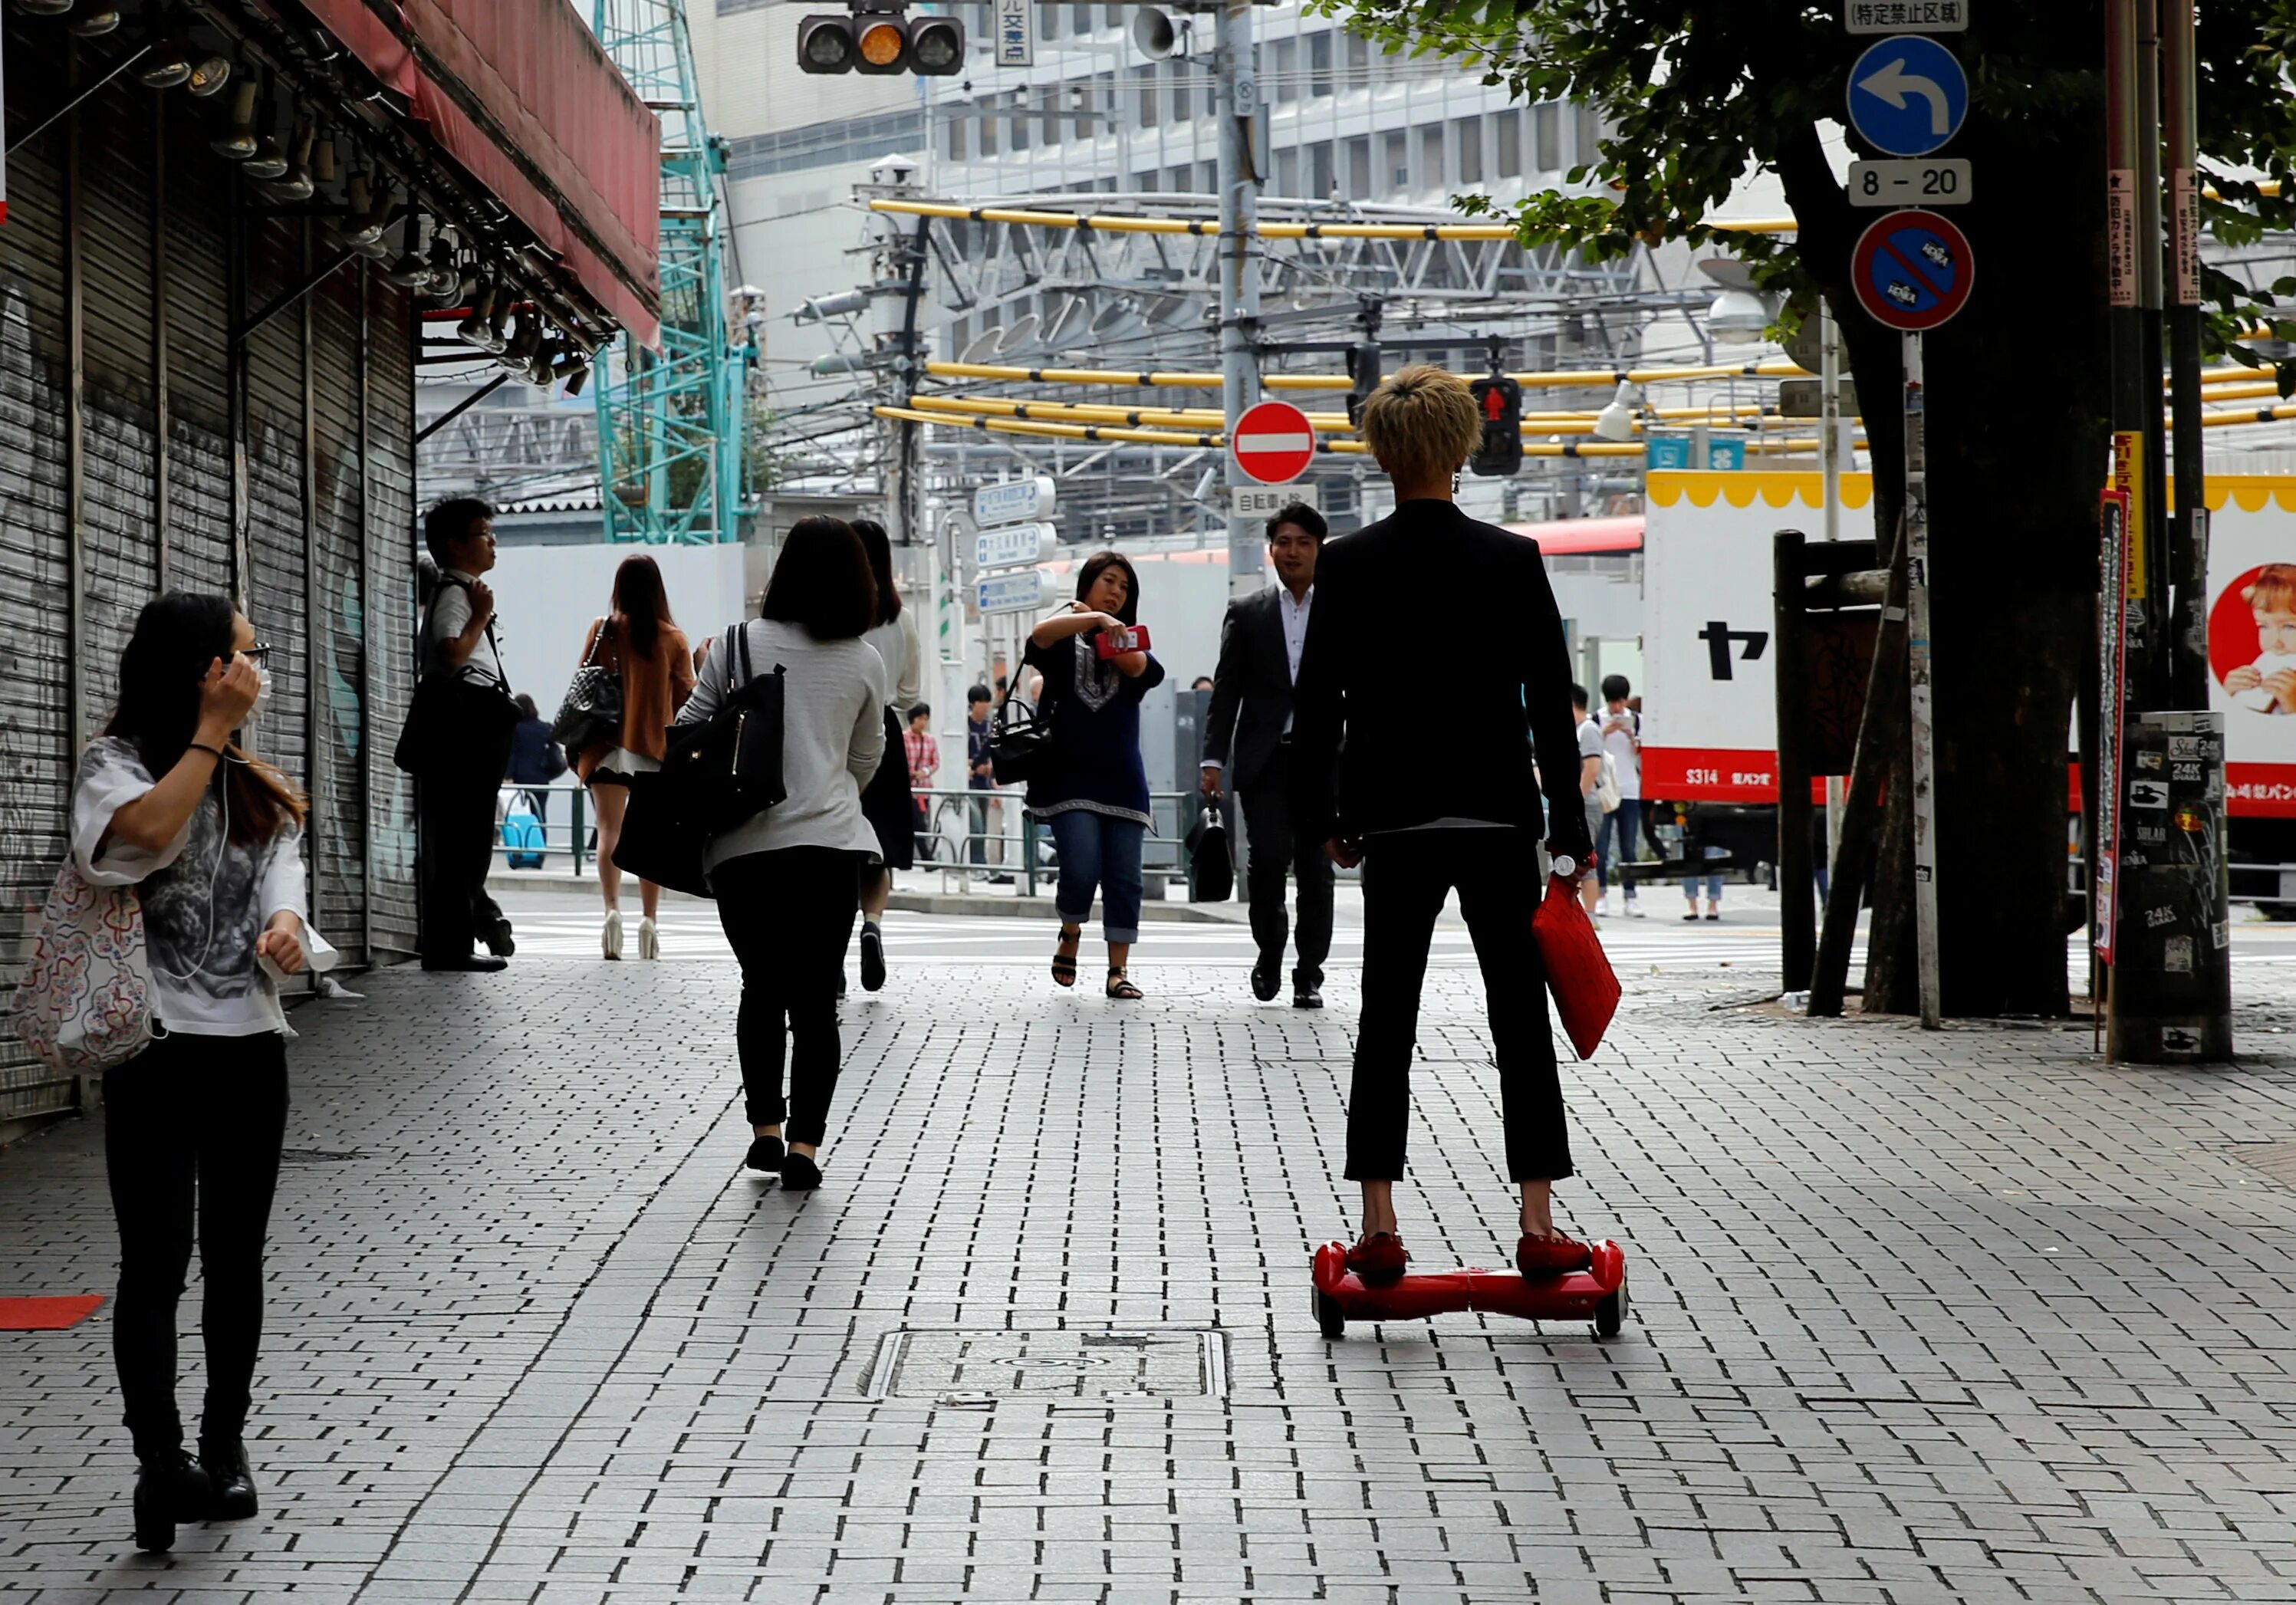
<point>1378,1257</point>
<point>1538,1256</point>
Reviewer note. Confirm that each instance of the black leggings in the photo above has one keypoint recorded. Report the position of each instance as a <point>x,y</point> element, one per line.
<point>789,915</point>
<point>191,1130</point>
<point>1405,877</point>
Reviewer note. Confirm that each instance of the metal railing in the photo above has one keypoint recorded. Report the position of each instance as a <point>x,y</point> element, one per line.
<point>963,835</point>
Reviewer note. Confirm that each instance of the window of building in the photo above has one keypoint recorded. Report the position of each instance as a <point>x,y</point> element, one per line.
<point>1319,65</point>
<point>959,116</point>
<point>1319,170</point>
<point>1177,181</point>
<point>1547,136</point>
<point>987,125</point>
<point>1048,115</point>
<point>1050,18</point>
<point>1145,183</point>
<point>1287,69</point>
<point>1359,183</point>
<point>1398,154</point>
<point>1590,133</point>
<point>1080,19</point>
<point>1019,100</point>
<point>1112,16</point>
<point>1099,113</point>
<point>1181,97</point>
<point>1508,127</point>
<point>1207,176</point>
<point>1358,61</point>
<point>1467,136</point>
<point>1287,172</point>
<point>1144,91</point>
<point>1431,155</point>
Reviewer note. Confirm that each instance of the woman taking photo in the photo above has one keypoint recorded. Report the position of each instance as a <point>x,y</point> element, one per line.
<point>785,879</point>
<point>640,641</point>
<point>212,839</point>
<point>886,801</point>
<point>1092,789</point>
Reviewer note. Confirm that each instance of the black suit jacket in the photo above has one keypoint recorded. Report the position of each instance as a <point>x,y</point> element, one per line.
<point>1435,658</point>
<point>1251,689</point>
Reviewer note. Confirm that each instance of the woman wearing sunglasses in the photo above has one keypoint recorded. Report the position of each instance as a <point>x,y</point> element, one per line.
<point>212,839</point>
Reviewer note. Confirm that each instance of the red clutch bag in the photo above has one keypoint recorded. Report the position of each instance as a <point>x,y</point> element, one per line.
<point>1578,971</point>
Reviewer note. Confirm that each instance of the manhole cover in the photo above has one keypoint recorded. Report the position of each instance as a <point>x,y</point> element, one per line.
<point>2277,1160</point>
<point>319,1156</point>
<point>981,1367</point>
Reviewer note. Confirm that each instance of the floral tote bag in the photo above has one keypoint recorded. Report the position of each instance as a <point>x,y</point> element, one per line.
<point>86,1002</point>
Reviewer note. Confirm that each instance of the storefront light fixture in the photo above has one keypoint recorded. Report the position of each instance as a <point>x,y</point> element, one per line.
<point>268,162</point>
<point>296,184</point>
<point>238,142</point>
<point>476,330</point>
<point>96,21</point>
<point>44,8</point>
<point>207,76</point>
<point>167,63</point>
<point>1737,317</point>
<point>1616,421</point>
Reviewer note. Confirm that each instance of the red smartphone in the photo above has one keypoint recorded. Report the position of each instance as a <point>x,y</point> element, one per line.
<point>1132,638</point>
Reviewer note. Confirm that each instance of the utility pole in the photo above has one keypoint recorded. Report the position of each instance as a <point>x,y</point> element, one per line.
<point>2169,998</point>
<point>1236,100</point>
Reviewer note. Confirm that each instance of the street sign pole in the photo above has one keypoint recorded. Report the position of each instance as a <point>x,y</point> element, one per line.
<point>1237,102</point>
<point>1917,648</point>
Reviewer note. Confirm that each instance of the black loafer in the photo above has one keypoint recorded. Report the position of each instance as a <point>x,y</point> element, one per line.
<point>168,1491</point>
<point>1306,997</point>
<point>873,957</point>
<point>500,940</point>
<point>233,1484</point>
<point>800,1174</point>
<point>766,1153</point>
<point>1266,977</point>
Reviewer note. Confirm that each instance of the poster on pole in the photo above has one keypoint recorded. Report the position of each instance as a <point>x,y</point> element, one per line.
<point>2111,614</point>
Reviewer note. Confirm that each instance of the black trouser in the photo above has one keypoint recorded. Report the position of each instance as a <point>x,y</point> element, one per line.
<point>1267,824</point>
<point>788,915</point>
<point>1405,876</point>
<point>455,849</point>
<point>192,1127</point>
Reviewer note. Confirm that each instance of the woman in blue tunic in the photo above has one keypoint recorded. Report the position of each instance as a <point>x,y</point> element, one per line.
<point>1093,790</point>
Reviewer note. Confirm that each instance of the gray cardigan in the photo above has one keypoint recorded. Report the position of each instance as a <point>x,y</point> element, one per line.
<point>833,739</point>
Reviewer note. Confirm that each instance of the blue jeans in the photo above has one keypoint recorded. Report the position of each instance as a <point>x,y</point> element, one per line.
<point>1713,881</point>
<point>1101,852</point>
<point>1626,822</point>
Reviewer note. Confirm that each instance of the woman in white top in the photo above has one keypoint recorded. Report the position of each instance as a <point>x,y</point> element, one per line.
<point>786,879</point>
<point>212,839</point>
<point>886,799</point>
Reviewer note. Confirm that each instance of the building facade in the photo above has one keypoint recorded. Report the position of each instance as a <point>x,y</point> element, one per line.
<point>205,387</point>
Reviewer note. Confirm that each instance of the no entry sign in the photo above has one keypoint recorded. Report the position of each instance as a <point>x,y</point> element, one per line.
<point>1273,443</point>
<point>1913,270</point>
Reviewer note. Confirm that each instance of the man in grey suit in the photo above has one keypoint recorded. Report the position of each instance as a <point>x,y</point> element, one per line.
<point>1248,745</point>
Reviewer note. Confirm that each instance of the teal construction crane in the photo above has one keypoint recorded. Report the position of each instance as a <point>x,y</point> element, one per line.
<point>671,422</point>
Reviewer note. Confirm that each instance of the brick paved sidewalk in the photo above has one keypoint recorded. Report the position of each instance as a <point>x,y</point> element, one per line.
<point>1916,1318</point>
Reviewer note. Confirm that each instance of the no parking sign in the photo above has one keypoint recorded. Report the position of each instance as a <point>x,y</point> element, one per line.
<point>1913,270</point>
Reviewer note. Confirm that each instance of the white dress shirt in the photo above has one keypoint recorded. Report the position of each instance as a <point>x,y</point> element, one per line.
<point>1293,611</point>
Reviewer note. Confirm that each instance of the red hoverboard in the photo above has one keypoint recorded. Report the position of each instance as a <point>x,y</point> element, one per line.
<point>1597,1293</point>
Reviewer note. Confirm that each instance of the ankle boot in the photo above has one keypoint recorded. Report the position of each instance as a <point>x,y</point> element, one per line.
<point>233,1484</point>
<point>169,1488</point>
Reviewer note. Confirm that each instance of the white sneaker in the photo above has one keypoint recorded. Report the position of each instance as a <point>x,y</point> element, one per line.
<point>1633,909</point>
<point>609,935</point>
<point>1601,908</point>
<point>649,940</point>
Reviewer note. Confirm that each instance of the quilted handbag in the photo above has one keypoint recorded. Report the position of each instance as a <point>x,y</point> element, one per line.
<point>85,1004</point>
<point>591,715</point>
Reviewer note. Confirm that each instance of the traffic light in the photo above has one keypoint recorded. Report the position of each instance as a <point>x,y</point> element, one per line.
<point>1363,372</point>
<point>1499,399</point>
<point>879,42</point>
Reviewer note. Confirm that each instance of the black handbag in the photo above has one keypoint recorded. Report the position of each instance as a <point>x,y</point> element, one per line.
<point>1211,871</point>
<point>1019,741</point>
<point>727,769</point>
<point>453,720</point>
<point>591,711</point>
<point>657,844</point>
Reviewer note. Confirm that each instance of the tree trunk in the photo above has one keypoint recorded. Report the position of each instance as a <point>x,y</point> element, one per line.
<point>2012,538</point>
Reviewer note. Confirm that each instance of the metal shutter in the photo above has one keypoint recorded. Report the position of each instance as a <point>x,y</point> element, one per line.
<point>394,535</point>
<point>34,381</point>
<point>197,195</point>
<point>337,837</point>
<point>276,529</point>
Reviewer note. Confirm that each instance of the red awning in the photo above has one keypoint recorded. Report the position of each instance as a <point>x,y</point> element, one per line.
<point>521,95</point>
<point>1567,537</point>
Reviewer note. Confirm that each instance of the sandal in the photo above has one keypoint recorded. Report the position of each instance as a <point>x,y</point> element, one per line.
<point>1064,963</point>
<point>1119,988</point>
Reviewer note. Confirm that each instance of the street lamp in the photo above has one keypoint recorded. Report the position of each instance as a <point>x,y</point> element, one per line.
<point>1616,421</point>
